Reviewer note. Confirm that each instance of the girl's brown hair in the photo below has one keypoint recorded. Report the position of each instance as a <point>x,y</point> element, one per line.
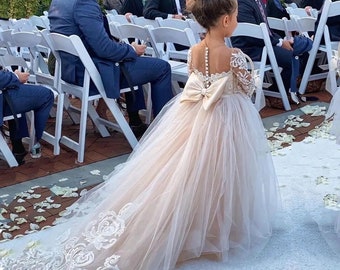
<point>206,12</point>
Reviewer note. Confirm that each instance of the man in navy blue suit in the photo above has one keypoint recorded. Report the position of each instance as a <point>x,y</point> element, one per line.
<point>17,97</point>
<point>165,9</point>
<point>249,11</point>
<point>85,19</point>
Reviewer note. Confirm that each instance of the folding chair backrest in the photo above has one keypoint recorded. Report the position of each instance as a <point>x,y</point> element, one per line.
<point>141,21</point>
<point>305,25</point>
<point>173,23</point>
<point>40,22</point>
<point>140,34</point>
<point>73,45</point>
<point>170,36</point>
<point>116,18</point>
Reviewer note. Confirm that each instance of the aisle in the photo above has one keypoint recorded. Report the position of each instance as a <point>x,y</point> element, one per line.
<point>307,171</point>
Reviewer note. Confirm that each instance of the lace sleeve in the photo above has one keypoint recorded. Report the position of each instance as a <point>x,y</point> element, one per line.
<point>239,67</point>
<point>189,62</point>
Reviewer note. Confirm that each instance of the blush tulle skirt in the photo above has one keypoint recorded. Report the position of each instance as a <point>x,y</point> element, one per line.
<point>200,183</point>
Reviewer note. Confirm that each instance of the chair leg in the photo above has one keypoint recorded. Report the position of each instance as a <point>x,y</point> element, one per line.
<point>7,153</point>
<point>122,123</point>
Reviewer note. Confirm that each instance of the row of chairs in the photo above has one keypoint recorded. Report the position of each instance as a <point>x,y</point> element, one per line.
<point>73,45</point>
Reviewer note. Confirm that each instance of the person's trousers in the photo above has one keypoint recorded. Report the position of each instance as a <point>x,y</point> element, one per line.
<point>24,99</point>
<point>284,60</point>
<point>142,71</point>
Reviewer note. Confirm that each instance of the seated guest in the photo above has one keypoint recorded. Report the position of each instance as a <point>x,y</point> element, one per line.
<point>253,11</point>
<point>84,18</point>
<point>133,7</point>
<point>317,4</point>
<point>18,97</point>
<point>277,9</point>
<point>113,4</point>
<point>165,9</point>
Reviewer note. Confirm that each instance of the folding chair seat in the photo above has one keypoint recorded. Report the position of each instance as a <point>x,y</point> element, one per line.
<point>330,9</point>
<point>73,45</point>
<point>261,32</point>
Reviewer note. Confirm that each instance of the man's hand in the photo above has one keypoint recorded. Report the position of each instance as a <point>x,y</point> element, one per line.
<point>140,49</point>
<point>22,76</point>
<point>287,44</point>
<point>128,15</point>
<point>178,16</point>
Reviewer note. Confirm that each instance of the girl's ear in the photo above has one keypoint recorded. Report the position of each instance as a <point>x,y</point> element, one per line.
<point>225,20</point>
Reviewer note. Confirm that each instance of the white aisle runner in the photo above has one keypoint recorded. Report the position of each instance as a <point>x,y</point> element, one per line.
<point>307,171</point>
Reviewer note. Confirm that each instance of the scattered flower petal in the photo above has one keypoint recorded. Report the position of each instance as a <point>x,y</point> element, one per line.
<point>19,209</point>
<point>95,172</point>
<point>14,228</point>
<point>34,226</point>
<point>20,221</point>
<point>39,219</point>
<point>6,235</point>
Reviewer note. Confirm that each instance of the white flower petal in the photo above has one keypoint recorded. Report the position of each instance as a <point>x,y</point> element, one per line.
<point>39,219</point>
<point>19,209</point>
<point>6,235</point>
<point>14,228</point>
<point>34,226</point>
<point>95,172</point>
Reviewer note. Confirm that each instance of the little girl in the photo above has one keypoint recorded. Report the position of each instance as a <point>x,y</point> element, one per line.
<point>201,182</point>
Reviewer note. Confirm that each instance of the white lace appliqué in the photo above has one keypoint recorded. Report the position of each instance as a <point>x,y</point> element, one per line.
<point>75,251</point>
<point>240,68</point>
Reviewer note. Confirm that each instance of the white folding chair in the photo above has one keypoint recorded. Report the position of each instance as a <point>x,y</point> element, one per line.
<point>141,35</point>
<point>161,36</point>
<point>7,154</point>
<point>73,45</point>
<point>261,32</point>
<point>329,10</point>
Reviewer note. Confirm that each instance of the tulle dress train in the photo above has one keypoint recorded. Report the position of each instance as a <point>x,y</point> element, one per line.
<point>201,181</point>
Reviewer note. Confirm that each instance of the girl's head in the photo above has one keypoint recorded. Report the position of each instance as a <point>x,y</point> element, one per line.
<point>208,12</point>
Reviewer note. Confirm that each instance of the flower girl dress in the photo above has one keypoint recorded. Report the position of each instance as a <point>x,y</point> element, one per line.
<point>200,182</point>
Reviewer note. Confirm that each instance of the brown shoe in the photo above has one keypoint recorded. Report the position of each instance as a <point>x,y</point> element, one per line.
<point>275,103</point>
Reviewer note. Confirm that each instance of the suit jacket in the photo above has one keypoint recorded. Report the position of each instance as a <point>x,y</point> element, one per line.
<point>161,8</point>
<point>134,6</point>
<point>7,79</point>
<point>85,19</point>
<point>249,12</point>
